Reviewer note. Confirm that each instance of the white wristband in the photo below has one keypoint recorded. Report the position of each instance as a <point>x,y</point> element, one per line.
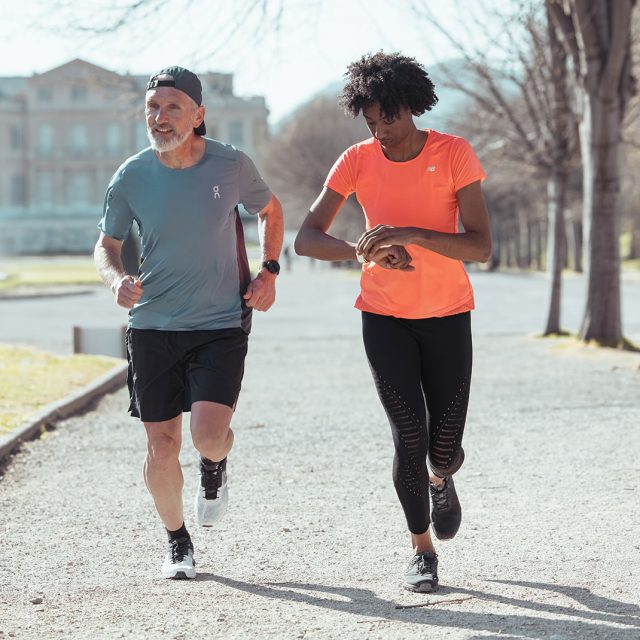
<point>360,258</point>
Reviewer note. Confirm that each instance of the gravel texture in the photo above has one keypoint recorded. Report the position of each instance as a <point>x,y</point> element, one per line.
<point>314,544</point>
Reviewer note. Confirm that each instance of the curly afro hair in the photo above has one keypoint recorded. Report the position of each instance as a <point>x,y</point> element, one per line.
<point>391,79</point>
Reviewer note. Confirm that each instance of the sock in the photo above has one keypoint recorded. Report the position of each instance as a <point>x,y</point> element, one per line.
<point>178,533</point>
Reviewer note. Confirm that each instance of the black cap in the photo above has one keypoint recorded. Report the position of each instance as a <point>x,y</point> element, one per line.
<point>183,80</point>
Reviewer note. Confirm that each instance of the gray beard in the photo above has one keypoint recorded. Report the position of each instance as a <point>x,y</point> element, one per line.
<point>166,145</point>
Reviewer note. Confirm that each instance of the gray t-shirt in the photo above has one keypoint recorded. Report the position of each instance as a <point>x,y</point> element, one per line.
<point>194,265</point>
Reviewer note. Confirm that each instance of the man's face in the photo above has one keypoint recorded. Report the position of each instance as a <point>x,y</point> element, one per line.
<point>171,117</point>
<point>388,132</point>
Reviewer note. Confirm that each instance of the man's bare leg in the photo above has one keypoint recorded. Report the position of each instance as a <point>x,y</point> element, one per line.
<point>210,429</point>
<point>162,471</point>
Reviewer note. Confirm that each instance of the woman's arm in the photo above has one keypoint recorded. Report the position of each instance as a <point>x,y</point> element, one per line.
<point>314,241</point>
<point>473,244</point>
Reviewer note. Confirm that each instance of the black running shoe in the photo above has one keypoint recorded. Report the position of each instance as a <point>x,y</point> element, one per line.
<point>179,563</point>
<point>422,573</point>
<point>446,513</point>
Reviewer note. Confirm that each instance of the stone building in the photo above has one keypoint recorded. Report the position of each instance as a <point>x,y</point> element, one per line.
<point>67,130</point>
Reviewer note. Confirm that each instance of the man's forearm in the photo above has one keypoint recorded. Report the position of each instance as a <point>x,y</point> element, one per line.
<point>271,233</point>
<point>109,265</point>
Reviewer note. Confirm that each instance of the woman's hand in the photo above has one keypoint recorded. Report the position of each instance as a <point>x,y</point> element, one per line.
<point>393,257</point>
<point>383,235</point>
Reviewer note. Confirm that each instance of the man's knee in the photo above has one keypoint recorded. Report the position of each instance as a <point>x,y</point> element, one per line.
<point>209,437</point>
<point>162,450</point>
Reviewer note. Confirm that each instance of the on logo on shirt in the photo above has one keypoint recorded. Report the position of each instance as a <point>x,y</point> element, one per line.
<point>216,191</point>
<point>431,168</point>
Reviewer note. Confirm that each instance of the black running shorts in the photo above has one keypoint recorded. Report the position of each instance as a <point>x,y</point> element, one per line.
<point>169,370</point>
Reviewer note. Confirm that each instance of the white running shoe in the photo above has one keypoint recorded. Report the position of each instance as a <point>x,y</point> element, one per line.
<point>179,563</point>
<point>212,498</point>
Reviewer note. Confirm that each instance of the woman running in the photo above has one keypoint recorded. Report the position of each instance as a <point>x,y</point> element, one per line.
<point>415,297</point>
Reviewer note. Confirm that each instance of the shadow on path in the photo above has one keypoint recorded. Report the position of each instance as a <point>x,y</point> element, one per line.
<point>364,602</point>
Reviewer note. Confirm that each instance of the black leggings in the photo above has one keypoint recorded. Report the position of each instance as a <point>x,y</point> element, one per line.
<point>422,371</point>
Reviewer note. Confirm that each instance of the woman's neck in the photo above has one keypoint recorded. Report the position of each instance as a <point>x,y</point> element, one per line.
<point>408,148</point>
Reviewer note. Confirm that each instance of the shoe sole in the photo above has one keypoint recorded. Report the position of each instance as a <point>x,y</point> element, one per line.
<point>207,524</point>
<point>448,536</point>
<point>425,587</point>
<point>181,575</point>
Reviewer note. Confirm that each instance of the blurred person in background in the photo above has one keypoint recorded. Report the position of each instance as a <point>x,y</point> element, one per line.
<point>413,185</point>
<point>191,304</point>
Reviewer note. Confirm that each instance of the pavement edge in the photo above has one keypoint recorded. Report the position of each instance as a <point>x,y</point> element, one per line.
<point>65,408</point>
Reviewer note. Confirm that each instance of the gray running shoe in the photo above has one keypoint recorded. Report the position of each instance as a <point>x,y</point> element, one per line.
<point>178,563</point>
<point>446,513</point>
<point>212,497</point>
<point>422,573</point>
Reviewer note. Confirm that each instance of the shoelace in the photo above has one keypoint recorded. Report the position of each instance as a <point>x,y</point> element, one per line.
<point>426,564</point>
<point>180,548</point>
<point>439,496</point>
<point>211,480</point>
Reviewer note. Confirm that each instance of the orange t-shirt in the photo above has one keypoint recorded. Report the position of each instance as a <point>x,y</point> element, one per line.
<point>418,193</point>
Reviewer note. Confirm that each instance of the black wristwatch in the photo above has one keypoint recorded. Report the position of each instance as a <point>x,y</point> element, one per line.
<point>272,266</point>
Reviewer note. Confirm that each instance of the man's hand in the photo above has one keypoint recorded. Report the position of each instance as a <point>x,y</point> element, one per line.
<point>383,235</point>
<point>127,291</point>
<point>393,257</point>
<point>261,292</point>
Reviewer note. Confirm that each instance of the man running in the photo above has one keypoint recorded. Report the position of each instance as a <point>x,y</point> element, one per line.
<point>190,306</point>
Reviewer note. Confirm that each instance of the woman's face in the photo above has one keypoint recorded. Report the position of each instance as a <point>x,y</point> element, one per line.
<point>389,132</point>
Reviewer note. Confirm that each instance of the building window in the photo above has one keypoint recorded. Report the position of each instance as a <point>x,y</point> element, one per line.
<point>45,139</point>
<point>79,138</point>
<point>45,94</point>
<point>236,133</point>
<point>15,137</point>
<point>79,188</point>
<point>79,93</point>
<point>114,137</point>
<point>17,189</point>
<point>44,187</point>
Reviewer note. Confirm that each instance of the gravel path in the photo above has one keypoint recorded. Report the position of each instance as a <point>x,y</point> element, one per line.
<point>314,544</point>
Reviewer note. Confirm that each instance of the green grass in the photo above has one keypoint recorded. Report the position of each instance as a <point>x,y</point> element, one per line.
<point>42,272</point>
<point>574,340</point>
<point>31,379</point>
<point>631,265</point>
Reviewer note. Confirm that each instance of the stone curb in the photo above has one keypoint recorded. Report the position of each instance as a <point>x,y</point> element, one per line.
<point>61,409</point>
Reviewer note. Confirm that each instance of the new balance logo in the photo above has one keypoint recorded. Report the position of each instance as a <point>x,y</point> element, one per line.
<point>431,168</point>
<point>216,192</point>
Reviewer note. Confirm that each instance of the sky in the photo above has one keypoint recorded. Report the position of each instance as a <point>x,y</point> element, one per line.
<point>310,49</point>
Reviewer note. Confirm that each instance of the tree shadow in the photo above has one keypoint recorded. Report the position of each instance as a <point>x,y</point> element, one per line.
<point>585,598</point>
<point>364,602</point>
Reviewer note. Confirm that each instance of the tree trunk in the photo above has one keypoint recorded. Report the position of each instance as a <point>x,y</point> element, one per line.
<point>634,246</point>
<point>540,231</point>
<point>530,244</point>
<point>576,236</point>
<point>523,246</point>
<point>556,244</point>
<point>494,264</point>
<point>600,136</point>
